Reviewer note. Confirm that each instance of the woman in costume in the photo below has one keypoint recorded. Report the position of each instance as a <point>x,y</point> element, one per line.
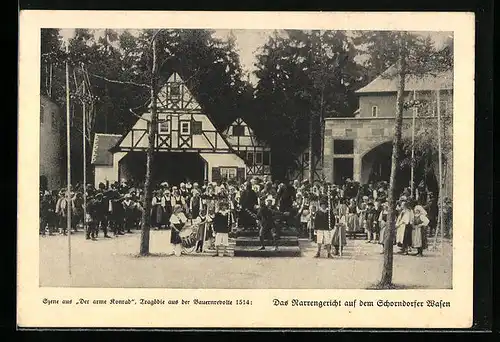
<point>383,224</point>
<point>177,222</point>
<point>419,231</point>
<point>403,228</point>
<point>156,210</point>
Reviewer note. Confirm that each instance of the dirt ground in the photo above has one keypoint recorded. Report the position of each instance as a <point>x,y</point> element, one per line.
<point>114,263</point>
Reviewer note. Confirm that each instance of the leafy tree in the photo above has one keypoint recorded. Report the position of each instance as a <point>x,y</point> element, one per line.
<point>415,57</point>
<point>303,77</point>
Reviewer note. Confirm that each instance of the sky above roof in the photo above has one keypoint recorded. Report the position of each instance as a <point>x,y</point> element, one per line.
<point>249,41</point>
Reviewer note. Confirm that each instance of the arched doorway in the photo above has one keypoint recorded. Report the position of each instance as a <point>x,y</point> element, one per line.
<point>376,167</point>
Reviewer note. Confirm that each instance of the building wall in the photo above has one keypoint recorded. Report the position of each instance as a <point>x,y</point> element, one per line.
<point>50,143</point>
<point>367,134</point>
<point>386,103</point>
<point>104,174</point>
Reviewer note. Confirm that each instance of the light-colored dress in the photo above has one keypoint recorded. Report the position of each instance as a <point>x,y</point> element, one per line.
<point>419,236</point>
<point>405,217</point>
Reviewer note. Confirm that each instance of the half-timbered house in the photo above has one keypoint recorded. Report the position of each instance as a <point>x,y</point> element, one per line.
<point>188,146</point>
<point>300,170</point>
<point>256,154</point>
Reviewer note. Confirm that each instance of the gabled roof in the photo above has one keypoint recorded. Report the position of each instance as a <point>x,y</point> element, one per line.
<point>100,150</point>
<point>387,82</point>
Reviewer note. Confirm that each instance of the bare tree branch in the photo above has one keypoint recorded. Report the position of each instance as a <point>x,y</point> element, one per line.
<point>120,82</point>
<point>139,116</point>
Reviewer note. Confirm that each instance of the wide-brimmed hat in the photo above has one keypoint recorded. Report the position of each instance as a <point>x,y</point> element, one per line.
<point>164,184</point>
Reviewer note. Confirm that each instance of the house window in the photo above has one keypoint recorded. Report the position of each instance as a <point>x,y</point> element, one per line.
<point>258,158</point>
<point>197,127</point>
<point>185,127</point>
<point>266,158</point>
<point>164,127</point>
<point>374,111</point>
<point>238,130</point>
<point>250,158</point>
<point>306,156</point>
<point>54,121</point>
<point>342,146</point>
<point>175,90</point>
<point>228,173</point>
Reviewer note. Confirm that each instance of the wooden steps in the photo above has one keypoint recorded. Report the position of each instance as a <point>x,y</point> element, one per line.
<point>253,251</point>
<point>288,241</point>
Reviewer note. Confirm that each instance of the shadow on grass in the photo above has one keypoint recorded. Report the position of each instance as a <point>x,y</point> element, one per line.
<point>396,287</point>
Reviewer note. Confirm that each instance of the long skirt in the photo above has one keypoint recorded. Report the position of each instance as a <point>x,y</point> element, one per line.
<point>419,237</point>
<point>383,229</point>
<point>403,235</point>
<point>352,222</point>
<point>167,212</point>
<point>339,235</point>
<point>174,235</point>
<point>156,216</point>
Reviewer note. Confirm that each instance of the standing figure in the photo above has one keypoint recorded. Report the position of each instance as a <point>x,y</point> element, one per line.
<point>248,203</point>
<point>156,210</point>
<point>77,211</point>
<point>195,204</point>
<point>371,220</point>
<point>268,227</point>
<point>419,232</point>
<point>62,211</point>
<point>403,228</point>
<point>339,239</point>
<point>128,213</point>
<point>383,225</point>
<point>362,207</point>
<point>324,222</point>
<point>222,222</point>
<point>91,219</point>
<point>178,199</point>
<point>352,217</point>
<point>166,205</point>
<point>177,222</point>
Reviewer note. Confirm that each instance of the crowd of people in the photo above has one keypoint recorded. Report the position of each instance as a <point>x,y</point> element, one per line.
<point>325,213</point>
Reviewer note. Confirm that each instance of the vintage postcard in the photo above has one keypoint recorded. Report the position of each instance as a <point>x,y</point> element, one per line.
<point>245,170</point>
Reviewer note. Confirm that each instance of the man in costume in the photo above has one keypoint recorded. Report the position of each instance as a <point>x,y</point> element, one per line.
<point>266,215</point>
<point>248,202</point>
<point>324,222</point>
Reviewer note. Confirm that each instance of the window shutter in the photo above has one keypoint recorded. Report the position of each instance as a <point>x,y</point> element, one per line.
<point>240,174</point>
<point>216,174</point>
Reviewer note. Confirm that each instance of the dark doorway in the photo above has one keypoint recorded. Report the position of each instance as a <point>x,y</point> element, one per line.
<point>173,167</point>
<point>343,168</point>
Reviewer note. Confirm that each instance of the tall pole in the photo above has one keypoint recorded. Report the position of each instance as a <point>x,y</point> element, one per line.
<point>68,159</point>
<point>440,167</point>
<point>84,142</point>
<point>412,181</point>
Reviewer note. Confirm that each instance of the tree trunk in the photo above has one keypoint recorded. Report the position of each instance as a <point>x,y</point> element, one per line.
<point>311,160</point>
<point>386,279</point>
<point>146,219</point>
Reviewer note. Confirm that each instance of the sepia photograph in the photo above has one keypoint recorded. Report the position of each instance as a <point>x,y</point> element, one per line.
<point>230,162</point>
<point>271,149</point>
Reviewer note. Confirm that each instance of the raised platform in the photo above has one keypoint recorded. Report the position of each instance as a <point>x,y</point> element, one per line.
<point>356,235</point>
<point>247,244</point>
<point>253,251</point>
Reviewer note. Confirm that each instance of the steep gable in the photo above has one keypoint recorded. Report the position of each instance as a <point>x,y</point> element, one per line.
<point>182,124</point>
